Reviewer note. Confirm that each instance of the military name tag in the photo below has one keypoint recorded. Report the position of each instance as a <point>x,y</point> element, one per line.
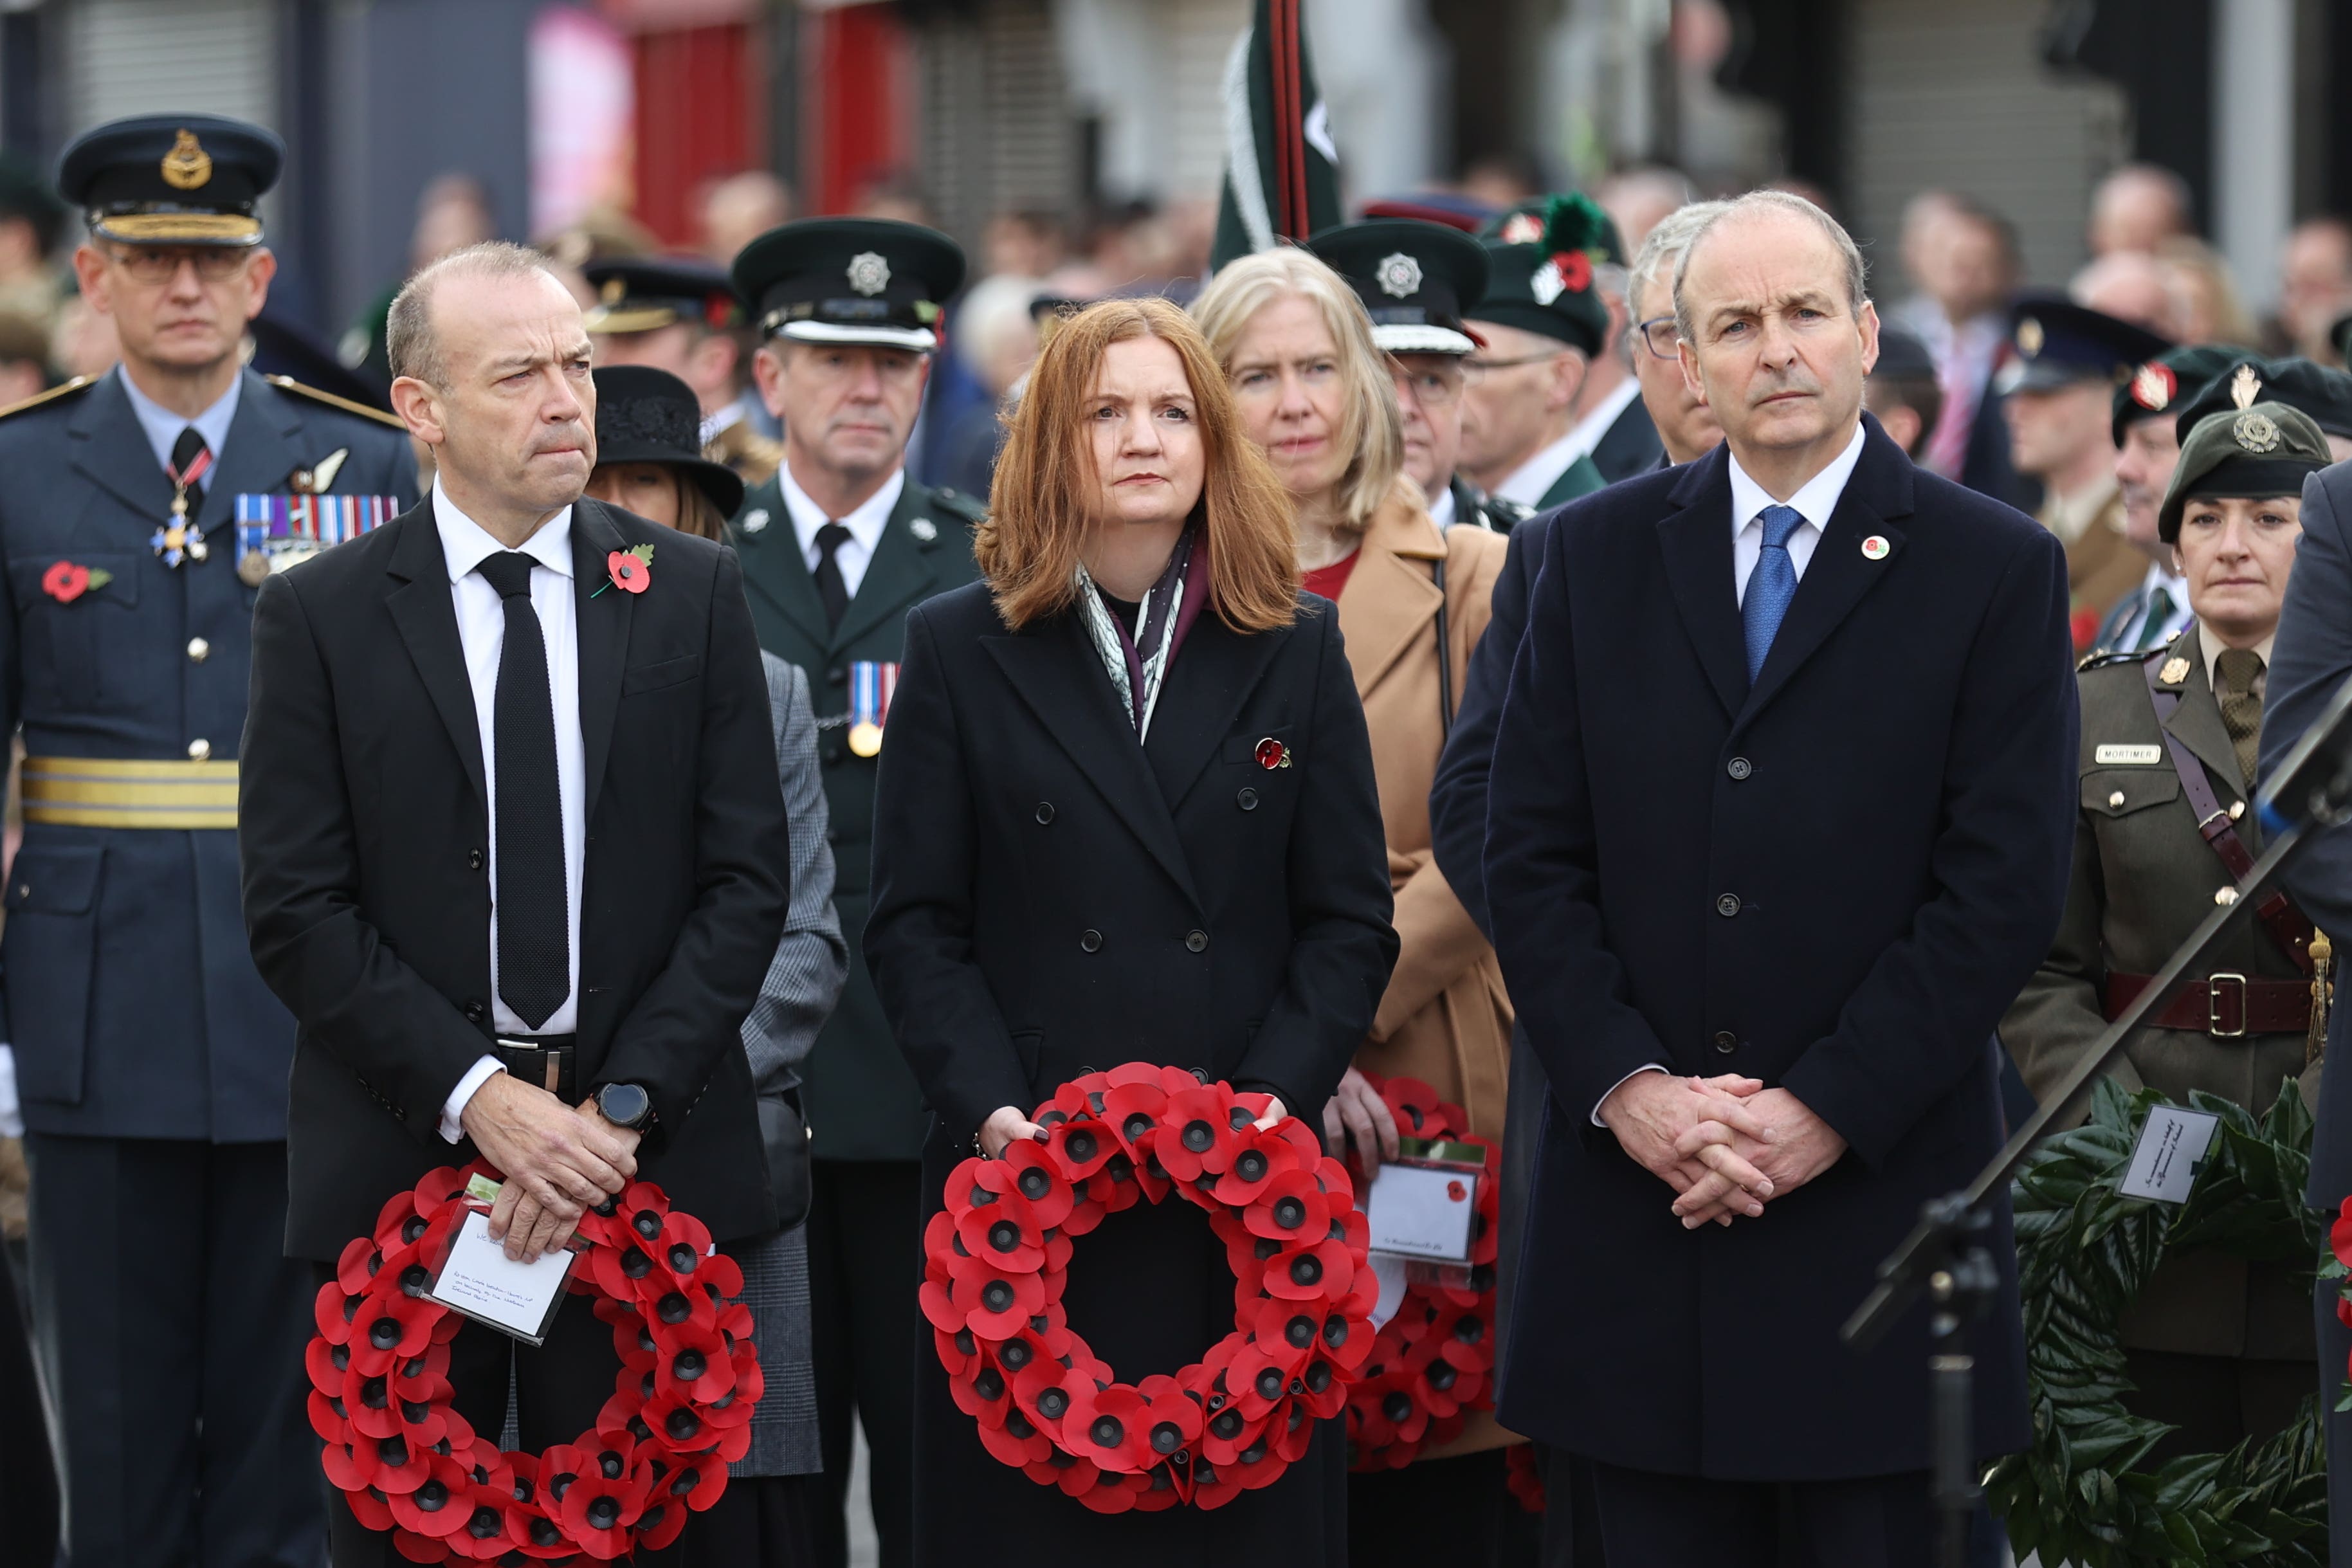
<point>2128,756</point>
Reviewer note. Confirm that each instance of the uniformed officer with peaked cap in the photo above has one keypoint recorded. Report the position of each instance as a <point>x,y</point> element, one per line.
<point>2216,1346</point>
<point>142,511</point>
<point>1415,280</point>
<point>836,547</point>
<point>2141,423</point>
<point>679,314</point>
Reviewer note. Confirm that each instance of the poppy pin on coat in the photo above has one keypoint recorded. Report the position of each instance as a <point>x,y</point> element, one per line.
<point>1874,548</point>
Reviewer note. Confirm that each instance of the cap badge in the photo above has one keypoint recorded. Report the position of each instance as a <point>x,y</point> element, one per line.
<point>2152,386</point>
<point>754,520</point>
<point>2029,336</point>
<point>1521,228</point>
<point>869,273</point>
<point>1399,276</point>
<point>2255,432</point>
<point>2245,386</point>
<point>2175,671</point>
<point>923,528</point>
<point>613,291</point>
<point>1545,282</point>
<point>187,166</point>
<point>1874,548</point>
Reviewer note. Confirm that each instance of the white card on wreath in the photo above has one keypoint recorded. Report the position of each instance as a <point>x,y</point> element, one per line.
<point>1421,1212</point>
<point>481,1281</point>
<point>2170,1150</point>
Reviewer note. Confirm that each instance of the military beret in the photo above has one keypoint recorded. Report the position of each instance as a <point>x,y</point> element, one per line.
<point>2249,452</point>
<point>643,293</point>
<point>1413,277</point>
<point>1540,259</point>
<point>850,281</point>
<point>2164,384</point>
<point>2062,344</point>
<point>2324,394</point>
<point>172,179</point>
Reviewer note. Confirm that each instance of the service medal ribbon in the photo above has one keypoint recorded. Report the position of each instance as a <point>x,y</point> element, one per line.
<point>871,685</point>
<point>275,532</point>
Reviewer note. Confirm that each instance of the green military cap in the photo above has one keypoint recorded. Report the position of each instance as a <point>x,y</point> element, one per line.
<point>2164,384</point>
<point>1540,259</point>
<point>850,281</point>
<point>1415,280</point>
<point>2325,395</point>
<point>2251,452</point>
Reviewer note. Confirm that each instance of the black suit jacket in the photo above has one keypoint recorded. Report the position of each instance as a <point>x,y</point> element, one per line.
<point>1630,445</point>
<point>364,828</point>
<point>1835,882</point>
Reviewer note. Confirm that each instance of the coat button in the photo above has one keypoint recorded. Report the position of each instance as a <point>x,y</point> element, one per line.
<point>199,749</point>
<point>1247,800</point>
<point>199,650</point>
<point>475,1012</point>
<point>1726,1041</point>
<point>2115,800</point>
<point>1740,767</point>
<point>473,860</point>
<point>1196,942</point>
<point>1090,941</point>
<point>1045,812</point>
<point>1727,905</point>
<point>837,675</point>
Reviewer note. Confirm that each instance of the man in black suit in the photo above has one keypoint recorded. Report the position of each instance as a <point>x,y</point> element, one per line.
<point>514,849</point>
<point>2310,661</point>
<point>1782,789</point>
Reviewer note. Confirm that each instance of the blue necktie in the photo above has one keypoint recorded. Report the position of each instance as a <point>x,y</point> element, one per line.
<point>1770,586</point>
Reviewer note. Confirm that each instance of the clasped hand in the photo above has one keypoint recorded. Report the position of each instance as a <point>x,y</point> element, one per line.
<point>1727,1145</point>
<point>559,1162</point>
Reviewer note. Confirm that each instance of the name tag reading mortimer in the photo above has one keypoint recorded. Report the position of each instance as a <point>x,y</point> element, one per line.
<point>2128,756</point>
<point>2170,1150</point>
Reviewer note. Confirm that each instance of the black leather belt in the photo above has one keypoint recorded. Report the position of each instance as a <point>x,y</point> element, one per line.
<point>548,1061</point>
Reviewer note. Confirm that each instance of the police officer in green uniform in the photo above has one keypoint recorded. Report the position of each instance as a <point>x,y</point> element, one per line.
<point>142,509</point>
<point>1414,279</point>
<point>835,548</point>
<point>2219,1348</point>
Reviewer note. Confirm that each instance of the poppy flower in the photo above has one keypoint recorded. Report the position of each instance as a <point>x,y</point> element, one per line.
<point>1195,1133</point>
<point>2339,1235</point>
<point>959,1352</point>
<point>1079,1146</point>
<point>1292,1208</point>
<point>391,1326</point>
<point>1035,1183</point>
<point>1110,1426</point>
<point>1111,1492</point>
<point>676,1424</point>
<point>659,1525</point>
<point>65,582</point>
<point>632,571</point>
<point>1018,1442</point>
<point>982,1395</point>
<point>1004,1237</point>
<point>1042,1390</point>
<point>995,1305</point>
<point>1062,1468</point>
<point>694,1363</point>
<point>1320,1273</point>
<point>1164,1486</point>
<point>437,1507</point>
<point>598,1508</point>
<point>1132,1112</point>
<point>692,1483</point>
<point>1252,1158</point>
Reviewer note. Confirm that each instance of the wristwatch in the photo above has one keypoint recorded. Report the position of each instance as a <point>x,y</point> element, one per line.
<point>625,1105</point>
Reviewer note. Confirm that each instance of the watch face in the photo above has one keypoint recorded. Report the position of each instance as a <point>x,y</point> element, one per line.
<point>624,1104</point>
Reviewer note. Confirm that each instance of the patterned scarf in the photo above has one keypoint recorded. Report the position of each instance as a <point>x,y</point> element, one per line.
<point>1136,664</point>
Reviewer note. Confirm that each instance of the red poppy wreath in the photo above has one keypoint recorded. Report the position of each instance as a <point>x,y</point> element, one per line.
<point>408,1463</point>
<point>1431,1364</point>
<point>996,1260</point>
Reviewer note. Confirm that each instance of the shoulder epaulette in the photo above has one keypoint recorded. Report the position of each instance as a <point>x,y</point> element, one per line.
<point>963,506</point>
<point>78,384</point>
<point>2099,658</point>
<point>287,384</point>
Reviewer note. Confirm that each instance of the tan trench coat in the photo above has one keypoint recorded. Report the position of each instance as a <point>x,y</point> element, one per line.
<point>1444,1018</point>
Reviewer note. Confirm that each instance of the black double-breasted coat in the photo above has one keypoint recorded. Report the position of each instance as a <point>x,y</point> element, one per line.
<point>1051,896</point>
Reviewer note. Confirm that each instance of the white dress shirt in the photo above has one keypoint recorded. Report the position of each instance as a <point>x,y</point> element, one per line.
<point>1440,507</point>
<point>1533,479</point>
<point>1591,429</point>
<point>865,524</point>
<point>481,633</point>
<point>162,427</point>
<point>1815,500</point>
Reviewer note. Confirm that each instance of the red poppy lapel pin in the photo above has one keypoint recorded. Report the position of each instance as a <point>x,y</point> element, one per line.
<point>632,570</point>
<point>65,582</point>
<point>1272,754</point>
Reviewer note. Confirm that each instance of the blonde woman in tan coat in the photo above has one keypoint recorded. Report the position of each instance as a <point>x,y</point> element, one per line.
<point>1315,391</point>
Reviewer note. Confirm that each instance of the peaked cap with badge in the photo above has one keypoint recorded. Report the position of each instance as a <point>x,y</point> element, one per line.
<point>645,293</point>
<point>144,1040</point>
<point>1539,258</point>
<point>1416,281</point>
<point>875,281</point>
<point>172,179</point>
<point>2061,343</point>
<point>2323,395</point>
<point>2248,451</point>
<point>2164,383</point>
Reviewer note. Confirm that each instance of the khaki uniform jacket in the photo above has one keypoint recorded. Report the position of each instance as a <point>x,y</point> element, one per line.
<point>2101,567</point>
<point>1444,1018</point>
<point>2142,879</point>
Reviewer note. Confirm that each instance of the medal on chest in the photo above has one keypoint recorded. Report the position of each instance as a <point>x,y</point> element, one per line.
<point>870,686</point>
<point>180,539</point>
<point>276,532</point>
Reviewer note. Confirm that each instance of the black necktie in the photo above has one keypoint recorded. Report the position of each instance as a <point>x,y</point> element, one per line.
<point>533,922</point>
<point>189,466</point>
<point>830,588</point>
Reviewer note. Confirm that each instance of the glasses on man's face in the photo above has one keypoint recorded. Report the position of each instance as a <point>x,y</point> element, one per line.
<point>156,264</point>
<point>1430,388</point>
<point>1477,369</point>
<point>1658,335</point>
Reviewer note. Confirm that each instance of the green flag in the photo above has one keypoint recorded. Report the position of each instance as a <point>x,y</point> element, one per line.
<point>1282,179</point>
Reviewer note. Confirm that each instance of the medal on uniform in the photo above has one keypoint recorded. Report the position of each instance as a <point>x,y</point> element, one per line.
<point>178,539</point>
<point>276,532</point>
<point>870,687</point>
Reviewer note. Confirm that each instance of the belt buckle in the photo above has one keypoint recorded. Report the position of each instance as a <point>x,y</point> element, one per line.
<point>2213,984</point>
<point>549,1058</point>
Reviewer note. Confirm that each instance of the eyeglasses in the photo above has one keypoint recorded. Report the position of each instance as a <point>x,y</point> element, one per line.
<point>1475,368</point>
<point>1430,388</point>
<point>1658,335</point>
<point>152,265</point>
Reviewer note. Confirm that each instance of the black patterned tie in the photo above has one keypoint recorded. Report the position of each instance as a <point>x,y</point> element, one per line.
<point>830,586</point>
<point>533,905</point>
<point>188,467</point>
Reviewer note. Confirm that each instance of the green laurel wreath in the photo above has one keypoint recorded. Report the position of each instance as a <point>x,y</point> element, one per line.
<point>2084,1251</point>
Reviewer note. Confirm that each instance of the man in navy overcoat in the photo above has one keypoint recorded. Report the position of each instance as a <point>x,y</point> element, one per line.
<point>1780,815</point>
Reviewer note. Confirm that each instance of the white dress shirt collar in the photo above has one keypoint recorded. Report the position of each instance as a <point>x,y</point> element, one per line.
<point>1441,507</point>
<point>1815,501</point>
<point>1589,430</point>
<point>466,544</point>
<point>1533,479</point>
<point>162,427</point>
<point>865,524</point>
